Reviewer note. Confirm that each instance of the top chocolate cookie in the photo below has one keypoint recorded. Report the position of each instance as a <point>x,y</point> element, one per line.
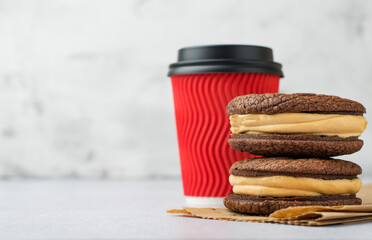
<point>307,167</point>
<point>273,103</point>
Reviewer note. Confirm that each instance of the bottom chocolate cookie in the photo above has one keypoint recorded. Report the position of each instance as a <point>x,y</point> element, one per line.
<point>294,145</point>
<point>255,205</point>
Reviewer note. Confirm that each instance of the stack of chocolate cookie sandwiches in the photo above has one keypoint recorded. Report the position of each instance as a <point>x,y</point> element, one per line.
<point>297,134</point>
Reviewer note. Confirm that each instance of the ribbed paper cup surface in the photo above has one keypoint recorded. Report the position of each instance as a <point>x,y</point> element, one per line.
<point>200,99</point>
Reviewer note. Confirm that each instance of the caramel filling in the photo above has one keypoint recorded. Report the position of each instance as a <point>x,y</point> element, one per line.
<point>285,186</point>
<point>299,123</point>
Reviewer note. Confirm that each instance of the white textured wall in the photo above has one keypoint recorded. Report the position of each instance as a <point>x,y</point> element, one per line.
<point>83,86</point>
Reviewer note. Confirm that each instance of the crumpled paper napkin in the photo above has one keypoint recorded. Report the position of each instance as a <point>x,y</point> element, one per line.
<point>306,216</point>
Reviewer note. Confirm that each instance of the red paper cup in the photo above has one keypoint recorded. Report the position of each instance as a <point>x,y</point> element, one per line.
<point>203,126</point>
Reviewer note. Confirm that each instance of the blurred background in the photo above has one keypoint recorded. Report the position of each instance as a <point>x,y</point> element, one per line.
<point>84,91</point>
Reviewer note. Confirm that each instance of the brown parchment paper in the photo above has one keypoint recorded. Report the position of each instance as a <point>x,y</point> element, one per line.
<point>307,216</point>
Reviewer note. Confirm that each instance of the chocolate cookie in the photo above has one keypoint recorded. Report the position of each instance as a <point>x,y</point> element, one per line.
<point>265,179</point>
<point>271,145</point>
<point>273,142</point>
<point>273,103</point>
<point>300,167</point>
<point>266,205</point>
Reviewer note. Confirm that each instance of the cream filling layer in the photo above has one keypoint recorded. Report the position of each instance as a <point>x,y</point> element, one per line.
<point>286,186</point>
<point>299,123</point>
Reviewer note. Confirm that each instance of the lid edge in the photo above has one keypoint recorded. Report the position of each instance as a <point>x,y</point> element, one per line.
<point>224,68</point>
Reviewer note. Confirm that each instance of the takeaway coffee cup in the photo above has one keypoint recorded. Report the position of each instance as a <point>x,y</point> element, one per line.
<point>204,80</point>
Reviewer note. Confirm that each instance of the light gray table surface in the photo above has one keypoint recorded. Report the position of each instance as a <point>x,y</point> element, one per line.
<point>135,209</point>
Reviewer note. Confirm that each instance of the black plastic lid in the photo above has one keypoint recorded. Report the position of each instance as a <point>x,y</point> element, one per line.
<point>225,58</point>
